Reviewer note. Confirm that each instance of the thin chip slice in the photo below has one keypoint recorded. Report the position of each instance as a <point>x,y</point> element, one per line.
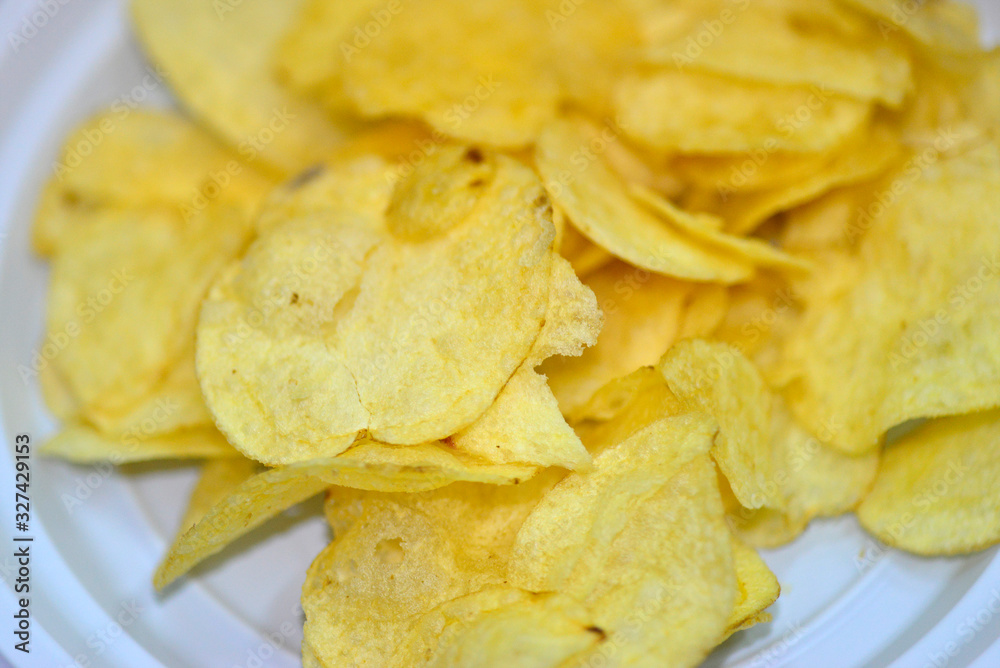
<point>642,314</point>
<point>380,333</point>
<point>498,93</point>
<point>718,379</point>
<point>524,426</point>
<point>688,112</point>
<point>598,205</point>
<point>217,57</point>
<point>703,228</point>
<point>641,534</point>
<point>368,465</point>
<point>136,271</point>
<point>83,444</point>
<point>936,490</point>
<point>757,587</point>
<point>941,25</point>
<point>786,43</point>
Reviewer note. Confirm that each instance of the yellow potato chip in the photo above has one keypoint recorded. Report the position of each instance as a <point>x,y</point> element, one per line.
<point>924,282</point>
<point>584,255</point>
<point>705,228</point>
<point>941,25</point>
<point>138,160</point>
<point>524,426</point>
<point>694,112</point>
<point>368,465</point>
<point>786,43</point>
<point>217,58</point>
<point>498,93</point>
<point>641,537</point>
<point>936,490</point>
<point>704,311</point>
<point>83,444</point>
<point>598,204</point>
<point>381,332</point>
<point>757,587</point>
<point>396,559</point>
<point>719,380</point>
<point>138,271</point>
<point>871,155</point>
<point>642,313</point>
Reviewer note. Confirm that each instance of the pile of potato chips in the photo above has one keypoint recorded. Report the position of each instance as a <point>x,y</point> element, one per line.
<point>567,307</point>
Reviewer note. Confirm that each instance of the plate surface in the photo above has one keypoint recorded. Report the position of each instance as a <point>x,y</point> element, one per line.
<point>99,533</point>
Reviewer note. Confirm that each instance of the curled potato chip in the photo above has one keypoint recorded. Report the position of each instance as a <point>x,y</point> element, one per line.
<point>785,43</point>
<point>640,535</point>
<point>702,227</point>
<point>865,158</point>
<point>694,112</point>
<point>936,490</point>
<point>719,380</point>
<point>642,313</point>
<point>379,332</point>
<point>757,587</point>
<point>368,465</point>
<point>524,426</point>
<point>598,204</point>
<point>218,60</point>
<point>83,444</point>
<point>925,281</point>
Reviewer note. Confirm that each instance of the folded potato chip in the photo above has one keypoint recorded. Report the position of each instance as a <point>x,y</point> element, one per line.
<point>936,490</point>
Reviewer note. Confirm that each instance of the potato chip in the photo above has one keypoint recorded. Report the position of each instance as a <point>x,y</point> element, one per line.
<point>936,490</point>
<point>139,271</point>
<point>924,283</point>
<point>217,58</point>
<point>717,379</point>
<point>140,160</point>
<point>380,335</point>
<point>584,255</point>
<point>704,311</point>
<point>757,587</point>
<point>694,112</point>
<point>940,25</point>
<point>702,227</point>
<point>786,43</point>
<point>498,93</point>
<point>871,155</point>
<point>642,313</point>
<point>524,426</point>
<point>83,444</point>
<point>357,189</point>
<point>641,542</point>
<point>599,205</point>
<point>400,557</point>
<point>367,465</point>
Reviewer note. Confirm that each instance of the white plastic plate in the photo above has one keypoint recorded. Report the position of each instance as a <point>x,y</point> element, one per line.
<point>98,534</point>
